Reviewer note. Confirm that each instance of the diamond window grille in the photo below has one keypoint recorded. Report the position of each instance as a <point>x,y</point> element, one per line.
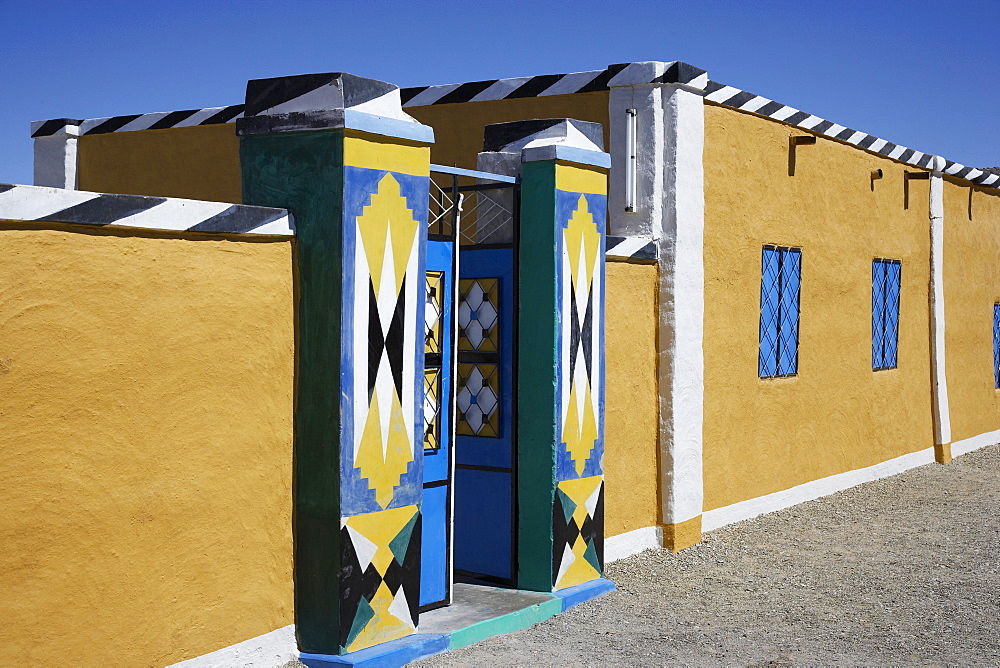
<point>432,409</point>
<point>781,268</point>
<point>885,313</point>
<point>478,314</point>
<point>996,346</point>
<point>432,312</point>
<point>478,400</point>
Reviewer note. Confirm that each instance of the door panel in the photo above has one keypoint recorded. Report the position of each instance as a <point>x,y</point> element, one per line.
<point>484,443</point>
<point>435,558</point>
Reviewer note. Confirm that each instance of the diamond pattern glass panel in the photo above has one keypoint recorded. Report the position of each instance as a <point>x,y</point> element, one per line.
<point>478,400</point>
<point>432,312</point>
<point>432,409</point>
<point>996,346</point>
<point>781,269</point>
<point>885,313</point>
<point>479,314</point>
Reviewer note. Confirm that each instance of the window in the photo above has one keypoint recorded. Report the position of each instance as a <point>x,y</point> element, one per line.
<point>781,269</point>
<point>885,313</point>
<point>996,346</point>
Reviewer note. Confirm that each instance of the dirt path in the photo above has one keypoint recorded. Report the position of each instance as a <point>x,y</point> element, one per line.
<point>897,571</point>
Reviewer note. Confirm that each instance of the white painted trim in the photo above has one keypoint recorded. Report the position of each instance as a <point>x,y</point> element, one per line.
<point>645,219</point>
<point>967,445</point>
<point>632,542</point>
<point>267,651</point>
<point>55,159</point>
<point>682,305</point>
<point>744,510</point>
<point>939,378</point>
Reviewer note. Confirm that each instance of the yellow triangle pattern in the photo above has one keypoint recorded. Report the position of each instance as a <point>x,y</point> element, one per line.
<point>383,626</point>
<point>582,232</point>
<point>387,214</point>
<point>383,467</point>
<point>579,570</point>
<point>380,528</point>
<point>578,436</point>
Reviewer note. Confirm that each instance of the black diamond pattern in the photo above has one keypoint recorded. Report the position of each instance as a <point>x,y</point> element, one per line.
<point>390,341</point>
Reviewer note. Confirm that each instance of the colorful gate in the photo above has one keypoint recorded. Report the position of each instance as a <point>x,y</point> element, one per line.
<point>469,452</point>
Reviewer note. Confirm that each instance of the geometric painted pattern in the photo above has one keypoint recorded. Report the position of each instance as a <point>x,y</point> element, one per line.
<point>384,375</point>
<point>379,582</point>
<point>578,507</point>
<point>580,386</point>
<point>578,523</point>
<point>479,314</point>
<point>478,400</point>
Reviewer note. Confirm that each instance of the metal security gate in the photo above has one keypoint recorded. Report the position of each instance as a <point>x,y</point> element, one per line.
<point>469,508</point>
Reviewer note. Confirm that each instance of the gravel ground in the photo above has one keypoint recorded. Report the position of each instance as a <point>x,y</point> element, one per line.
<point>901,571</point>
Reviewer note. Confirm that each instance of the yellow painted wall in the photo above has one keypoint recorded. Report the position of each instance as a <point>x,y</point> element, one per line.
<point>762,436</point>
<point>972,286</point>
<point>458,128</point>
<point>198,162</point>
<point>631,408</point>
<point>202,162</point>
<point>146,450</point>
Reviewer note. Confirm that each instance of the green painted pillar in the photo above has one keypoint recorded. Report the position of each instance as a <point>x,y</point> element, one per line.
<point>338,152</point>
<point>560,364</point>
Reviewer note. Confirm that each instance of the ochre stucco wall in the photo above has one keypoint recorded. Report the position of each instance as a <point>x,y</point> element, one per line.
<point>766,435</point>
<point>146,450</point>
<point>202,162</point>
<point>458,128</point>
<point>631,417</point>
<point>198,162</point>
<point>972,287</point>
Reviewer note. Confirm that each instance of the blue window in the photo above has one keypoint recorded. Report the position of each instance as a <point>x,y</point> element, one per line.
<point>781,270</point>
<point>885,313</point>
<point>996,346</point>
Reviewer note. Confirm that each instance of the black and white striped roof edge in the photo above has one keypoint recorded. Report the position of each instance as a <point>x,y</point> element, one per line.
<point>562,84</point>
<point>630,249</point>
<point>41,204</point>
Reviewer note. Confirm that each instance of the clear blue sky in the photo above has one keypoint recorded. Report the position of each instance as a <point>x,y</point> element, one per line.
<point>918,73</point>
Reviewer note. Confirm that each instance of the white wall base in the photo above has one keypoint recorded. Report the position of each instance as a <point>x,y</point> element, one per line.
<point>744,510</point>
<point>267,651</point>
<point>967,445</point>
<point>632,542</point>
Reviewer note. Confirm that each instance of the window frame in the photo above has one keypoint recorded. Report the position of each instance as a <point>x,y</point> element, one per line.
<point>885,349</point>
<point>996,345</point>
<point>778,350</point>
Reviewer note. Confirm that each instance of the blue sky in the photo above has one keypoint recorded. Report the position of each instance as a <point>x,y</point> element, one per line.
<point>918,73</point>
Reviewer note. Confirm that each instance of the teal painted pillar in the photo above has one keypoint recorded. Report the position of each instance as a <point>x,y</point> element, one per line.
<point>357,183</point>
<point>560,365</point>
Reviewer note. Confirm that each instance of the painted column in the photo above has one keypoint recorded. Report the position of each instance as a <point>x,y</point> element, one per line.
<point>338,151</point>
<point>670,207</point>
<point>560,364</point>
<point>56,152</point>
<point>939,379</point>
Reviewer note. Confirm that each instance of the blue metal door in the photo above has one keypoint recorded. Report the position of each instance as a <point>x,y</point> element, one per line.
<point>484,443</point>
<point>435,557</point>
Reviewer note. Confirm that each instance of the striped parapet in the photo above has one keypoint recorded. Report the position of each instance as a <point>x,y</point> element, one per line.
<point>631,249</point>
<point>675,72</point>
<point>56,205</point>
